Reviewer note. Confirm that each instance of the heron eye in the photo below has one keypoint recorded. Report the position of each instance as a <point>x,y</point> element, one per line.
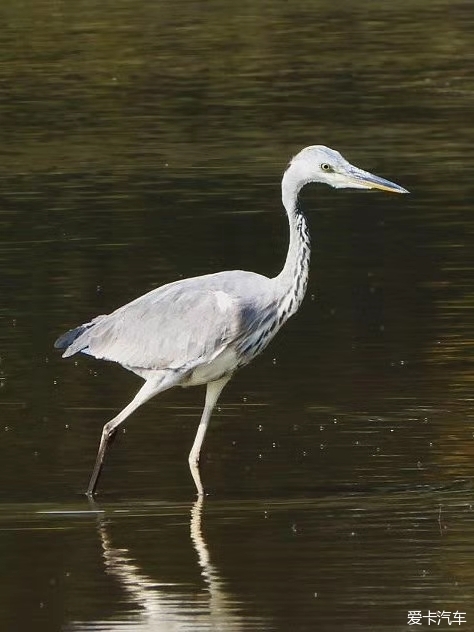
<point>326,167</point>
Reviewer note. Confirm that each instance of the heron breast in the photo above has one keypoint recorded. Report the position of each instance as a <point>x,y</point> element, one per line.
<point>223,364</point>
<point>257,342</point>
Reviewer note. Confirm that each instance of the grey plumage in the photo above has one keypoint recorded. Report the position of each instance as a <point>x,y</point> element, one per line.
<point>177,326</point>
<point>200,330</point>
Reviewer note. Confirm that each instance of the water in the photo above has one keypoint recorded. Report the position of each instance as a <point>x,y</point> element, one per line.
<point>144,142</point>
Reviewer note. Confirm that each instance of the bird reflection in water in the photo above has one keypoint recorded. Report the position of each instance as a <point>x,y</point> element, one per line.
<point>156,607</point>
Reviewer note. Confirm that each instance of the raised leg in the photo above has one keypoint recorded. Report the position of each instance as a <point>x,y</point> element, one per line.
<point>213,391</point>
<point>152,387</point>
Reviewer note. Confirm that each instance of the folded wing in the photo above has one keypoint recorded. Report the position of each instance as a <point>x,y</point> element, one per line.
<point>176,326</point>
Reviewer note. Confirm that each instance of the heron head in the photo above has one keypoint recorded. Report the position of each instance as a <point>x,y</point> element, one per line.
<point>318,163</point>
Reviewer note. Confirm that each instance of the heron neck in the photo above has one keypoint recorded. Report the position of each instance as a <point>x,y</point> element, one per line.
<point>293,279</point>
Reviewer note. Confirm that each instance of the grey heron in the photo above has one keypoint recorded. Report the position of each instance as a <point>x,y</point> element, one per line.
<point>199,331</point>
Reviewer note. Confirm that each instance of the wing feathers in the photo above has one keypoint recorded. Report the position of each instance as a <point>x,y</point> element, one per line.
<point>166,328</point>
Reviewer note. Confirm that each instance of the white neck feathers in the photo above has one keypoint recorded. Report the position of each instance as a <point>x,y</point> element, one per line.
<point>292,280</point>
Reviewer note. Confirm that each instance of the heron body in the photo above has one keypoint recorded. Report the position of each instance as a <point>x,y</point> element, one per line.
<point>201,330</point>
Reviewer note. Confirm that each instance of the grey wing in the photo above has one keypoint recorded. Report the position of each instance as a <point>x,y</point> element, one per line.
<point>177,326</point>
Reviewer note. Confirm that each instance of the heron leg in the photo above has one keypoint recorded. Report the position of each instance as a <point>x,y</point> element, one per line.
<point>152,387</point>
<point>213,391</point>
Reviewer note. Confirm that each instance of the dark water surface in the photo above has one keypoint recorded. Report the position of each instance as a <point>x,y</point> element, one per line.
<point>145,141</point>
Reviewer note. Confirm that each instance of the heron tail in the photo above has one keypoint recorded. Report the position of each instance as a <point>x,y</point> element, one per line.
<point>65,340</point>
